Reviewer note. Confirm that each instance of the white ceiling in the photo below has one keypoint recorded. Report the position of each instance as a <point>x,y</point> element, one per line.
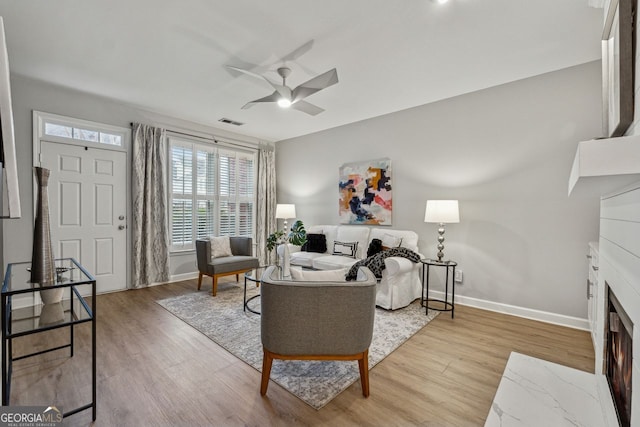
<point>169,56</point>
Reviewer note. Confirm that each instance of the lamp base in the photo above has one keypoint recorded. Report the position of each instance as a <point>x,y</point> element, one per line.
<point>440,242</point>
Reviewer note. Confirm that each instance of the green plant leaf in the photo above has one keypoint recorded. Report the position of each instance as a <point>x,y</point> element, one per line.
<point>273,239</point>
<point>298,235</point>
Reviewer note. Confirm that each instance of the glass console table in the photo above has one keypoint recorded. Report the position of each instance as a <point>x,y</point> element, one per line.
<point>23,313</point>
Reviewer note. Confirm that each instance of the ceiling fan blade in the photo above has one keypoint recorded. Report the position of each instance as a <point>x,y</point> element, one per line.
<point>282,90</point>
<point>307,107</point>
<point>315,84</point>
<point>250,73</point>
<point>298,52</point>
<point>271,98</point>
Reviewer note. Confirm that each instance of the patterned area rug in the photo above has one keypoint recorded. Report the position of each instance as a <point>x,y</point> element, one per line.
<point>315,382</point>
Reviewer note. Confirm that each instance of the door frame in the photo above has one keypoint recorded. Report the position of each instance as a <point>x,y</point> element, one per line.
<point>39,120</point>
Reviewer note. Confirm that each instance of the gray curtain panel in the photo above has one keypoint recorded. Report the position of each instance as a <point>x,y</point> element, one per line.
<point>150,227</point>
<point>266,209</point>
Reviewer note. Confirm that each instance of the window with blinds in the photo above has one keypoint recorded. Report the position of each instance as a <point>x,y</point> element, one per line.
<point>212,192</point>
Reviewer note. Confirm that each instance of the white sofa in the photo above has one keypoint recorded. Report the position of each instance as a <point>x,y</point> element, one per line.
<point>400,283</point>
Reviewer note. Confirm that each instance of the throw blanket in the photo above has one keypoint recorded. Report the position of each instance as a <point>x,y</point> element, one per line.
<point>375,263</point>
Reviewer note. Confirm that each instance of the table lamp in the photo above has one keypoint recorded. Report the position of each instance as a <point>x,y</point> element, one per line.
<point>285,211</point>
<point>441,212</point>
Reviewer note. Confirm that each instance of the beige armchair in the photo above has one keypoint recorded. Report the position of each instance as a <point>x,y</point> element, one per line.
<point>241,261</point>
<point>317,320</point>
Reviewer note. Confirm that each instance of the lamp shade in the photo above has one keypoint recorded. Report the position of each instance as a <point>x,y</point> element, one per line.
<point>285,211</point>
<point>442,211</point>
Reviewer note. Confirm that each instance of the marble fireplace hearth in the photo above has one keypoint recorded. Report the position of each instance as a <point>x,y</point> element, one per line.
<point>537,392</point>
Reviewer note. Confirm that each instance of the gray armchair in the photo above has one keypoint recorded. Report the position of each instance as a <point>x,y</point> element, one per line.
<point>309,320</point>
<point>241,261</point>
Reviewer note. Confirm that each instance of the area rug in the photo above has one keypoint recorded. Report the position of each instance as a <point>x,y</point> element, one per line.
<point>223,320</point>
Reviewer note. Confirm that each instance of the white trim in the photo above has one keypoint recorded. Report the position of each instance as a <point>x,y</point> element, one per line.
<point>184,276</point>
<point>527,313</point>
<point>39,118</point>
<point>173,279</point>
<point>7,134</point>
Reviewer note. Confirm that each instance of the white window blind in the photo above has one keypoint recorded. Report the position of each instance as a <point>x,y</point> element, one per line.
<point>212,192</point>
<point>181,196</point>
<point>206,192</point>
<point>246,194</point>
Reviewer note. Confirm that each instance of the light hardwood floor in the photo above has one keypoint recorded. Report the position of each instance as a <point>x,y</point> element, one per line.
<point>155,370</point>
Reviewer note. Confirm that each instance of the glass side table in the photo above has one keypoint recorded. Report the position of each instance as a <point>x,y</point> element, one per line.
<point>31,316</point>
<point>439,304</point>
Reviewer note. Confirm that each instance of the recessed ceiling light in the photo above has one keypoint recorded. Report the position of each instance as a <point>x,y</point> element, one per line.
<point>440,1</point>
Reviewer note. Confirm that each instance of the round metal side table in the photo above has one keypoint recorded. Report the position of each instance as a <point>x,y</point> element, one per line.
<point>445,304</point>
<point>252,276</point>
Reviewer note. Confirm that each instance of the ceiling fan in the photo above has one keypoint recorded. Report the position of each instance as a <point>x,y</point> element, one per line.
<point>294,98</point>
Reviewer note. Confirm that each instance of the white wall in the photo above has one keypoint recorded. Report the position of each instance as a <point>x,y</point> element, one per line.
<point>29,95</point>
<point>505,153</point>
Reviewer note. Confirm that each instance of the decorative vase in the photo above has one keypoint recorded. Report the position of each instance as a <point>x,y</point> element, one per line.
<point>51,313</point>
<point>51,296</point>
<point>43,270</point>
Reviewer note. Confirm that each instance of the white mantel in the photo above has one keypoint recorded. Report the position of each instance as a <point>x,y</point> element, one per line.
<point>610,163</point>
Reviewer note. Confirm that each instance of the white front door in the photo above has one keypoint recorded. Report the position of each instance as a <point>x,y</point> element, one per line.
<point>87,209</point>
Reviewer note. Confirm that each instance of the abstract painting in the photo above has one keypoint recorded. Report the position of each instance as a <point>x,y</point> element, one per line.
<point>365,192</point>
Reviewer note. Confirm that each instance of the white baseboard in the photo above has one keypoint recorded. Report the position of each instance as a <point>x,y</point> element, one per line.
<point>528,313</point>
<point>181,277</point>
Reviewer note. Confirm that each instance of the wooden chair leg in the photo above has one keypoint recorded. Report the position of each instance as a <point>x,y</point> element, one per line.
<point>215,285</point>
<point>238,278</point>
<point>267,360</point>
<point>199,280</point>
<point>363,364</point>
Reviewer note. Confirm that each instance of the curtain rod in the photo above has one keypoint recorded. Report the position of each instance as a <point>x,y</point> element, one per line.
<point>226,140</point>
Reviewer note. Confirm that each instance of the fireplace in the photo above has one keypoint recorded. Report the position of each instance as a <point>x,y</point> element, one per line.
<point>618,358</point>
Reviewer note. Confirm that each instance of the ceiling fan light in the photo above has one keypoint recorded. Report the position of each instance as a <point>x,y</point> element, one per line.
<point>284,103</point>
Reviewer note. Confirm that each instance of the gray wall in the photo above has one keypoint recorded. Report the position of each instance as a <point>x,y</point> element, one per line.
<point>505,153</point>
<point>29,95</point>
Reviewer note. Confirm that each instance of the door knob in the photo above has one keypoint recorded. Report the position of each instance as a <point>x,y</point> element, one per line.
<point>121,217</point>
<point>121,227</point>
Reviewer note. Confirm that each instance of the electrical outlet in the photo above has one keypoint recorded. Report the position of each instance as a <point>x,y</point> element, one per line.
<point>458,277</point>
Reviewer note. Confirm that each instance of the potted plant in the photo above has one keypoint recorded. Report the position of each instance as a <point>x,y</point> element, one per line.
<point>297,236</point>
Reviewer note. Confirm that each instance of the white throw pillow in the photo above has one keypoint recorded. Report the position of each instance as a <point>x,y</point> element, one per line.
<point>354,233</point>
<point>391,241</point>
<point>220,247</point>
<point>318,275</point>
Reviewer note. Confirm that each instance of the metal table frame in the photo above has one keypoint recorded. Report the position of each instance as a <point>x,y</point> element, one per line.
<point>75,318</point>
<point>424,300</point>
<point>254,277</point>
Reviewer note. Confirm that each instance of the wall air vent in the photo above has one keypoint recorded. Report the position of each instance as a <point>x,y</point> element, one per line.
<point>230,122</point>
